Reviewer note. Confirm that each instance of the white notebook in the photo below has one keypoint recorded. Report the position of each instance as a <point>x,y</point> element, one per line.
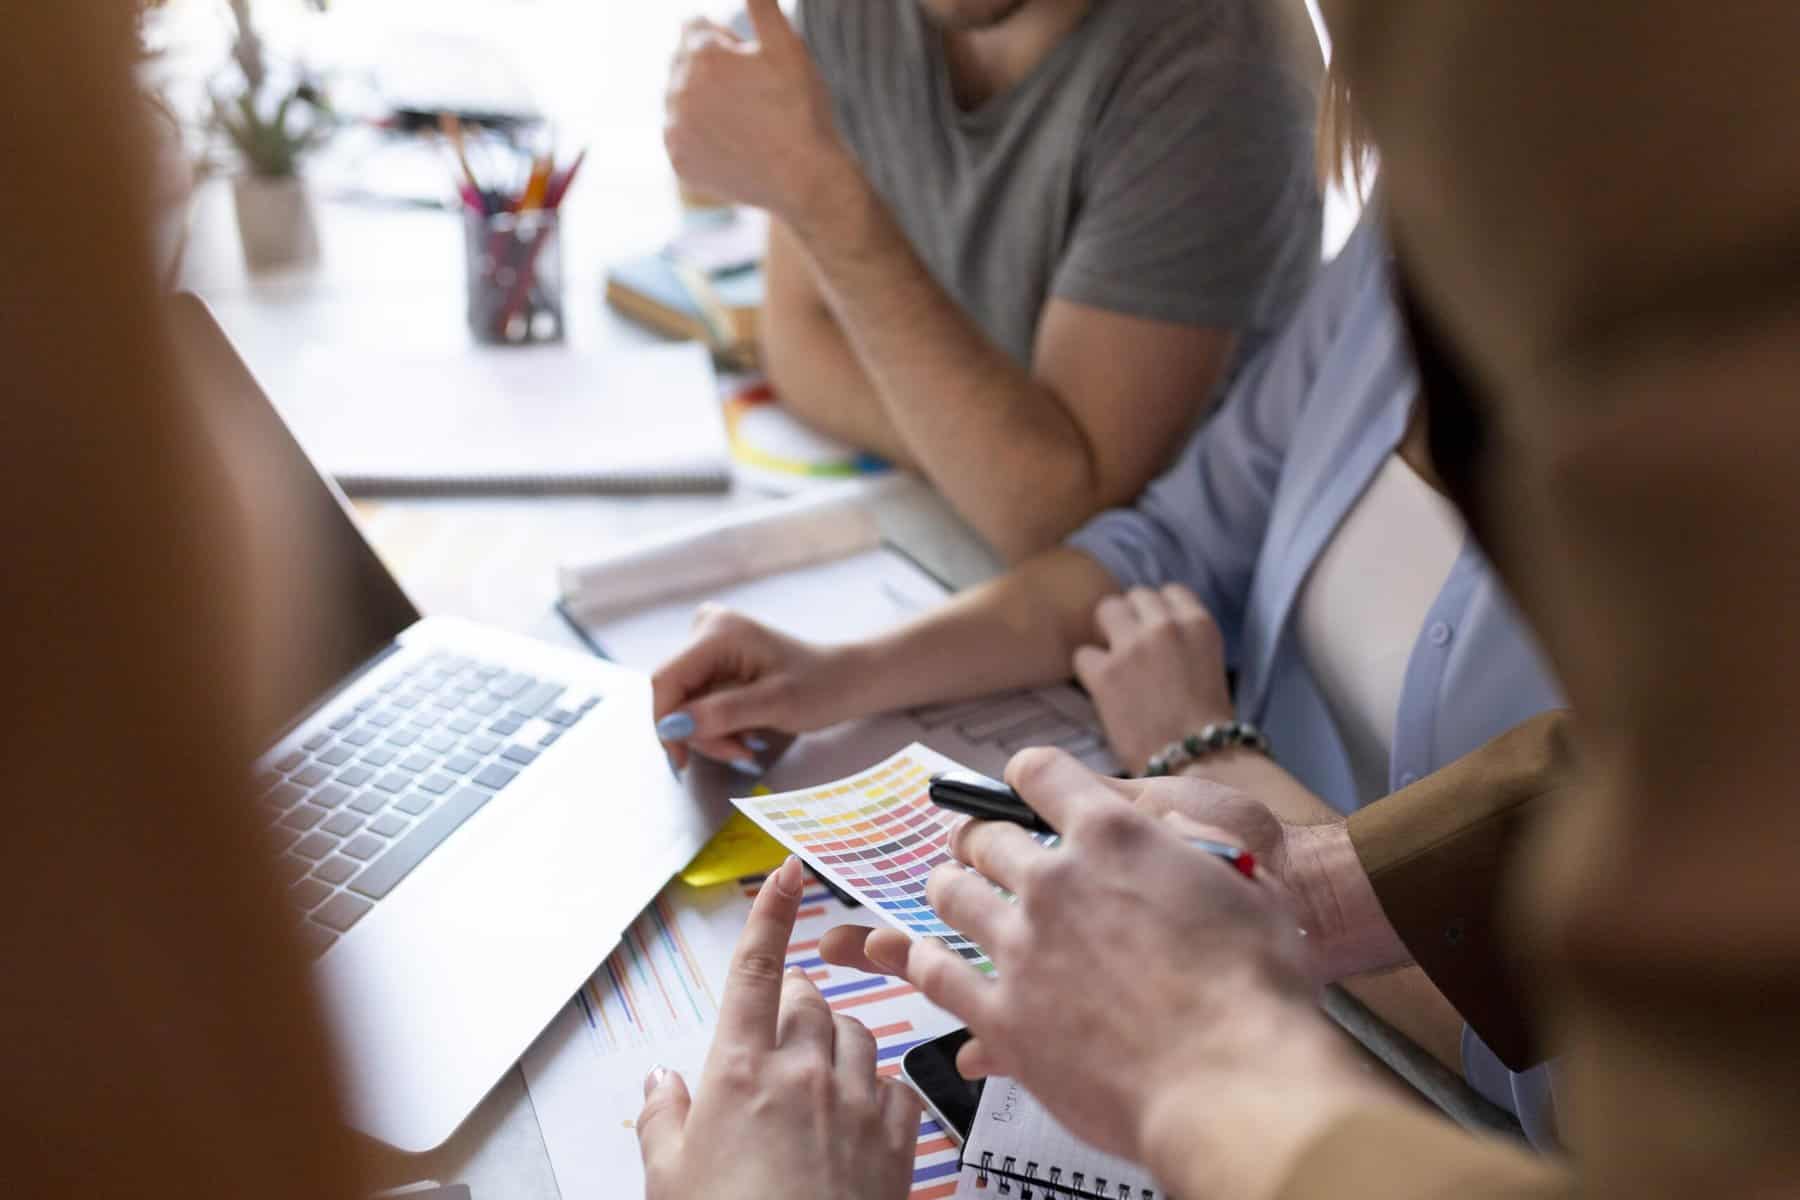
<point>506,420</point>
<point>1016,1148</point>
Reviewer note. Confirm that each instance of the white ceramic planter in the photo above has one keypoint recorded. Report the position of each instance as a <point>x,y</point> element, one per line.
<point>275,222</point>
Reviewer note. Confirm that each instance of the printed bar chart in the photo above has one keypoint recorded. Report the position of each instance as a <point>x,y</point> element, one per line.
<point>655,1002</point>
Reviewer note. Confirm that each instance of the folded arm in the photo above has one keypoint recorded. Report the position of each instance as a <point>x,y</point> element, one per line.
<point>1024,453</point>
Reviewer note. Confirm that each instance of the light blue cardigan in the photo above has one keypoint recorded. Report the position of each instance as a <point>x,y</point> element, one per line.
<point>1252,503</point>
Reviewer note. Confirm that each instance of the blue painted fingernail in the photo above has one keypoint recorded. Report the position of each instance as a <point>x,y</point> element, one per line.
<point>755,743</point>
<point>675,727</point>
<point>746,766</point>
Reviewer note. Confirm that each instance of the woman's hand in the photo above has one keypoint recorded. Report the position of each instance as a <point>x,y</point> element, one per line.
<point>740,691</point>
<point>1157,1002</point>
<point>789,1104</point>
<point>1160,674</point>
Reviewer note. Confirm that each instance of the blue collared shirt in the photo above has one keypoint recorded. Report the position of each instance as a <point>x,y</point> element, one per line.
<point>1247,510</point>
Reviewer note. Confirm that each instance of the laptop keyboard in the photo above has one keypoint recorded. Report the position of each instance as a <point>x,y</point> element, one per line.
<point>372,791</point>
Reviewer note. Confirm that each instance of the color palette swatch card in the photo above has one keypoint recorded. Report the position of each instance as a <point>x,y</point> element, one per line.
<point>876,835</point>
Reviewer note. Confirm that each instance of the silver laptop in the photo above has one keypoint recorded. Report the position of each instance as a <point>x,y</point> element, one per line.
<point>465,820</point>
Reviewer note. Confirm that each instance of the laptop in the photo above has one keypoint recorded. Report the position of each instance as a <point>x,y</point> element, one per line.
<point>465,820</point>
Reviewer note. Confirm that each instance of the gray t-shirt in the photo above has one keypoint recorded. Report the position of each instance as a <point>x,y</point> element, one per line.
<point>1159,163</point>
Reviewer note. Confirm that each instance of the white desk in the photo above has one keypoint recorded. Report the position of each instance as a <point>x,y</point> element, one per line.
<point>397,276</point>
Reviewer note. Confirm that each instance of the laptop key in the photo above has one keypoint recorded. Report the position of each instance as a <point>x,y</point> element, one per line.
<point>495,775</point>
<point>355,776</point>
<point>381,876</point>
<point>384,718</point>
<point>461,764</point>
<point>316,940</point>
<point>285,796</point>
<point>343,722</point>
<point>362,735</point>
<point>309,894</point>
<point>316,742</point>
<point>462,724</point>
<point>413,803</point>
<point>403,737</point>
<point>416,762</point>
<point>364,846</point>
<point>342,911</point>
<point>335,869</point>
<point>312,775</point>
<point>316,845</point>
<point>304,818</point>
<point>561,716</point>
<point>275,839</point>
<point>288,762</point>
<point>379,756</point>
<point>549,739</point>
<point>436,784</point>
<point>330,796</point>
<point>369,803</point>
<point>508,686</point>
<point>505,726</point>
<point>481,743</point>
<point>523,755</point>
<point>393,781</point>
<point>537,699</point>
<point>485,706</point>
<point>439,743</point>
<point>388,824</point>
<point>337,756</point>
<point>342,824</point>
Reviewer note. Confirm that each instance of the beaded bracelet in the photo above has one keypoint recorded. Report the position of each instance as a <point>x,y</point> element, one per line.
<point>1211,739</point>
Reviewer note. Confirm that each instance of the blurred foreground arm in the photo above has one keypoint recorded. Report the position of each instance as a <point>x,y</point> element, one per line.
<point>161,1038</point>
<point>1612,349</point>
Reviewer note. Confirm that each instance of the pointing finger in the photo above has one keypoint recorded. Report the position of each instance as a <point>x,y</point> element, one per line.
<point>752,1002</point>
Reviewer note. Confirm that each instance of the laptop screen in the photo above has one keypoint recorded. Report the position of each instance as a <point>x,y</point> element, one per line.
<point>324,601</point>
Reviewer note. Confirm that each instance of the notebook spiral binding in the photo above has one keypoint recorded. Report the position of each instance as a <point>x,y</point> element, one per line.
<point>1050,1186</point>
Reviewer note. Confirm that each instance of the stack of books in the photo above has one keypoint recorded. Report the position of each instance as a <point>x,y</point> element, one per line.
<point>705,286</point>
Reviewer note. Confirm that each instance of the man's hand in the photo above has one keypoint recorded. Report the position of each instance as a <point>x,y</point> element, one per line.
<point>1311,868</point>
<point>1155,1000</point>
<point>1314,865</point>
<point>751,121</point>
<point>1159,673</point>
<point>790,1104</point>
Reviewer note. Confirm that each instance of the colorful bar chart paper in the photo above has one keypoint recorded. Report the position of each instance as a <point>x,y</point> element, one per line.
<point>877,835</point>
<point>654,1003</point>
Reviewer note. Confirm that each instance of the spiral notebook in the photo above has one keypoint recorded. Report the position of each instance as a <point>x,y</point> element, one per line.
<point>494,422</point>
<point>1016,1149</point>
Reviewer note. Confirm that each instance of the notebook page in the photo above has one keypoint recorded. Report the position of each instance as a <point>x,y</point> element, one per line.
<point>1020,1144</point>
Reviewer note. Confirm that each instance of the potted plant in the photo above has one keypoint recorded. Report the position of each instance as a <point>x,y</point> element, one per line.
<point>271,129</point>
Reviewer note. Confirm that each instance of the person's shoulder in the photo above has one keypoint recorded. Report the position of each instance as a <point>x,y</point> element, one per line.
<point>850,28</point>
<point>1153,35</point>
<point>849,17</point>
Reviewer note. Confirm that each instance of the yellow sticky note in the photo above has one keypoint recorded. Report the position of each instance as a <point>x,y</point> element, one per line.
<point>737,850</point>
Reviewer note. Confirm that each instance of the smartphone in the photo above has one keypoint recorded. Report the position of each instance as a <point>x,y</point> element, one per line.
<point>931,1069</point>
